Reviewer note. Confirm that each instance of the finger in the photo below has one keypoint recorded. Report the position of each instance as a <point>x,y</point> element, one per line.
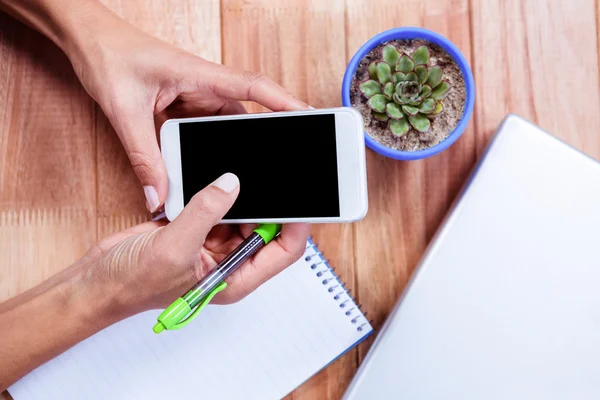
<point>189,230</point>
<point>232,108</point>
<point>286,249</point>
<point>268,262</point>
<point>222,239</point>
<point>138,135</point>
<point>217,239</point>
<point>247,229</point>
<point>250,86</point>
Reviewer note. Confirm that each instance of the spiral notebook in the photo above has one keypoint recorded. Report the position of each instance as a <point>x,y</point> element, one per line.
<point>262,347</point>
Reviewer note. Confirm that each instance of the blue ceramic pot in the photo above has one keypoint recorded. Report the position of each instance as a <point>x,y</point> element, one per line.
<point>414,33</point>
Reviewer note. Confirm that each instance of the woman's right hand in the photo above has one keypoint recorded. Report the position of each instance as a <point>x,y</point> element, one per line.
<point>152,264</point>
<point>145,267</point>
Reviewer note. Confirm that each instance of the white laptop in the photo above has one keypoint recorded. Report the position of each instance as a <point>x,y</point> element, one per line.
<point>506,302</point>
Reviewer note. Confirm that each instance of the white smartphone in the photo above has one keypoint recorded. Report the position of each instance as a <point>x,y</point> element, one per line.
<point>300,166</point>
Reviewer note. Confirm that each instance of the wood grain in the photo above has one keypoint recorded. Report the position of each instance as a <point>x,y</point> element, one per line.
<point>47,159</point>
<point>407,200</point>
<point>46,130</point>
<point>36,244</point>
<point>299,44</point>
<point>65,180</point>
<point>193,25</point>
<point>523,49</point>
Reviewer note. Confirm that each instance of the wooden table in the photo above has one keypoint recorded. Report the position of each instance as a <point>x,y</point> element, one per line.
<point>65,181</point>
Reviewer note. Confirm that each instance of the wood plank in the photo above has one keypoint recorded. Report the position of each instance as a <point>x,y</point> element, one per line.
<point>47,160</point>
<point>523,49</point>
<point>299,44</point>
<point>46,141</point>
<point>193,25</point>
<point>407,200</point>
<point>36,244</point>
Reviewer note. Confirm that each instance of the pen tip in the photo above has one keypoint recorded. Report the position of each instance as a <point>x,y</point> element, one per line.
<point>158,328</point>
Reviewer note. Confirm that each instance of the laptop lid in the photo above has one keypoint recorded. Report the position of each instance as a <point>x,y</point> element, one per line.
<point>506,301</point>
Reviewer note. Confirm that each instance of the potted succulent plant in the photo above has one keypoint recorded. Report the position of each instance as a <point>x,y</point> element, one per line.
<point>414,89</point>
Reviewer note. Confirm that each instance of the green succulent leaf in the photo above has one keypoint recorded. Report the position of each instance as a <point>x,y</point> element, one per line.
<point>415,102</point>
<point>421,71</point>
<point>397,99</point>
<point>425,91</point>
<point>384,73</point>
<point>399,126</point>
<point>398,77</point>
<point>377,103</point>
<point>399,86</point>
<point>419,122</point>
<point>411,77</point>
<point>408,90</point>
<point>421,56</point>
<point>388,90</point>
<point>380,116</point>
<point>435,76</point>
<point>410,110</point>
<point>390,55</point>
<point>394,111</point>
<point>405,64</point>
<point>441,91</point>
<point>370,88</point>
<point>373,70</point>
<point>427,106</point>
<point>439,107</point>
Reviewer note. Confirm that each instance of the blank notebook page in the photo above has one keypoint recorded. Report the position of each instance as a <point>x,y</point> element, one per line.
<point>262,347</point>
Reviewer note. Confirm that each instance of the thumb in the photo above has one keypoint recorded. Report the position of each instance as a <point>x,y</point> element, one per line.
<point>138,136</point>
<point>203,212</point>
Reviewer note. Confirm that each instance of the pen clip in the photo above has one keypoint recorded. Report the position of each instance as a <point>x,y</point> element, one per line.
<point>169,319</point>
<point>221,286</point>
<point>267,232</point>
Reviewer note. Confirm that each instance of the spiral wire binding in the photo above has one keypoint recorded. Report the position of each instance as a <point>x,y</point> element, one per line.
<point>335,286</point>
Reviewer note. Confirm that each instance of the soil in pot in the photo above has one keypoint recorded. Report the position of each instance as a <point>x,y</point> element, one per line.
<point>441,126</point>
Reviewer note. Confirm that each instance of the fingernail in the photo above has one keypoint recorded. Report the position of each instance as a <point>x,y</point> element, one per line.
<point>227,182</point>
<point>151,197</point>
<point>311,108</point>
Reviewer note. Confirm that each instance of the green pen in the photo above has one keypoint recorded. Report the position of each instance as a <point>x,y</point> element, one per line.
<point>180,313</point>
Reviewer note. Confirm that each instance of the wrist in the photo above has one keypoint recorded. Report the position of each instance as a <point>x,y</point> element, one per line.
<point>72,300</point>
<point>62,21</point>
<point>47,320</point>
<point>81,29</point>
<point>95,304</point>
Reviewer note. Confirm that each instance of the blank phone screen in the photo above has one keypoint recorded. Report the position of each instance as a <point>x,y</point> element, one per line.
<point>287,166</point>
